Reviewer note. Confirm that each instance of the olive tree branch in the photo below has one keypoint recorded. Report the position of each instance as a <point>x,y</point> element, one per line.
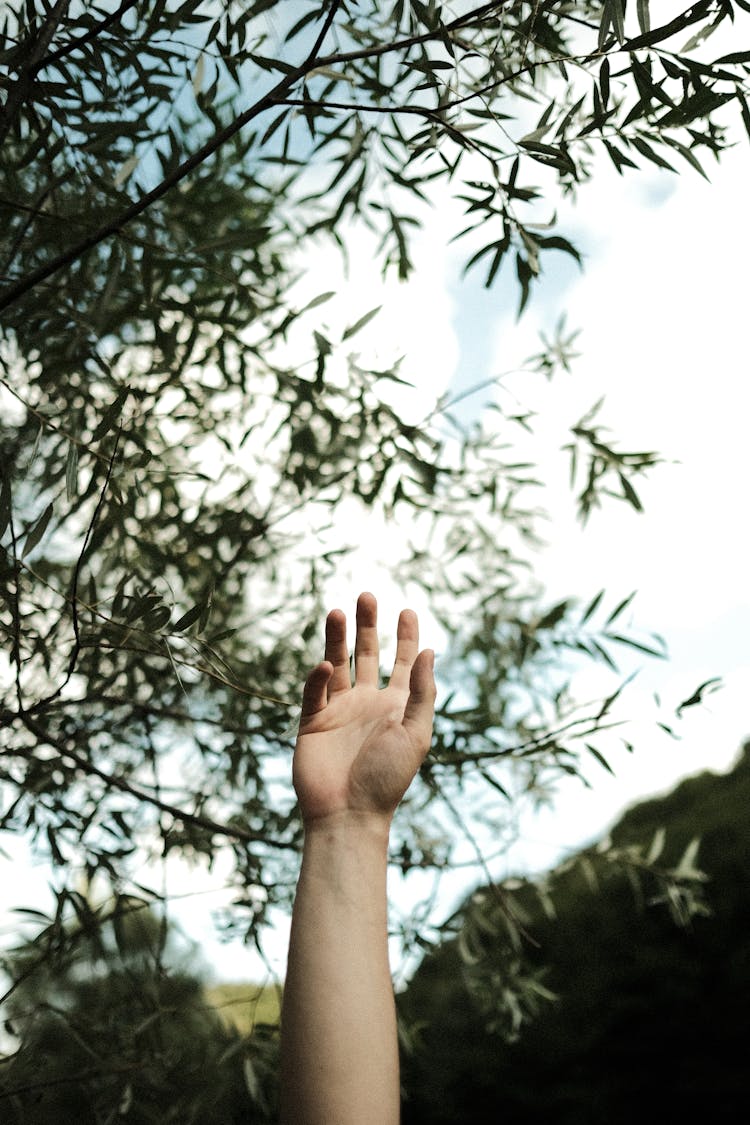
<point>88,37</point>
<point>14,292</point>
<point>114,782</point>
<point>21,88</point>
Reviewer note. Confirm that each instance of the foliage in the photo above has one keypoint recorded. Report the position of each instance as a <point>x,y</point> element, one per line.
<point>185,448</point>
<point>639,1014</point>
<point>116,1026</point>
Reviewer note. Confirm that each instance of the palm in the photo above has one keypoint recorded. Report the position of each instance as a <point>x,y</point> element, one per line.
<point>359,747</point>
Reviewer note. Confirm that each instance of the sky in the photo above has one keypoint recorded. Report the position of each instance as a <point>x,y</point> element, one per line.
<point>662,305</point>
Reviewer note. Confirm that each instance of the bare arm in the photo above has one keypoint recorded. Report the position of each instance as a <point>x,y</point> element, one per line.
<point>357,751</point>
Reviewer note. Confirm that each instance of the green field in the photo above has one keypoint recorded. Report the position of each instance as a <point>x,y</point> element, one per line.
<point>244,1006</point>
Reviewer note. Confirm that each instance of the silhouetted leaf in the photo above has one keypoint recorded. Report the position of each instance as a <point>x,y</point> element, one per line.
<point>36,531</point>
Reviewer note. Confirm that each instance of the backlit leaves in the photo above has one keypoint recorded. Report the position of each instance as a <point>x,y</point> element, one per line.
<point>36,531</point>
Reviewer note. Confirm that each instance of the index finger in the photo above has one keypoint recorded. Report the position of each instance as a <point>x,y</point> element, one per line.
<point>407,648</point>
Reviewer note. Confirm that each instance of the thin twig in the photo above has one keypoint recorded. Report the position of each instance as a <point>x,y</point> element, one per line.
<point>330,16</point>
<point>273,97</point>
<point>134,791</point>
<point>88,37</point>
<point>79,561</point>
<point>21,88</point>
<point>15,655</point>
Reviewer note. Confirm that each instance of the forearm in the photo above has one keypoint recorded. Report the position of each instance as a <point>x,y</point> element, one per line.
<point>339,1054</point>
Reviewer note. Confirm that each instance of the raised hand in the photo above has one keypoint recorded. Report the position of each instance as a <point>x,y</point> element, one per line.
<point>359,746</point>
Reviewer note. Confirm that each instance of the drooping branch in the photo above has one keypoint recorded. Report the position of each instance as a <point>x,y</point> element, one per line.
<point>14,292</point>
<point>119,783</point>
<point>89,36</point>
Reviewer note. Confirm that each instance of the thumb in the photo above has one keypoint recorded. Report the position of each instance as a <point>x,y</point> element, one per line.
<point>315,694</point>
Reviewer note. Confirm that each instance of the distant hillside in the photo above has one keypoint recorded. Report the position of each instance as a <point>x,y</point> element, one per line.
<point>651,1021</point>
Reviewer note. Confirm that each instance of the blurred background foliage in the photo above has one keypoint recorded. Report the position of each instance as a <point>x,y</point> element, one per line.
<point>185,447</point>
<point>642,1010</point>
<point>116,1024</point>
<point>624,996</point>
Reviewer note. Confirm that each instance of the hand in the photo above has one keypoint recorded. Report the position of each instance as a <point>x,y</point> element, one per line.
<point>359,747</point>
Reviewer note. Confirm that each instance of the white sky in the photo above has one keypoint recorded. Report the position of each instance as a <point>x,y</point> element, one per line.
<point>663,308</point>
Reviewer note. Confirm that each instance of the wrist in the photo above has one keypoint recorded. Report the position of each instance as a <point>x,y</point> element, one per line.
<point>347,825</point>
<point>345,857</point>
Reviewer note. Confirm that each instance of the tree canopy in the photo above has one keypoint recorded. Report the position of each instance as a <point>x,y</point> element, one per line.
<point>179,482</point>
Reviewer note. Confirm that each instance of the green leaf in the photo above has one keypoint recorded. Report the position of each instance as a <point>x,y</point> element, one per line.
<point>549,155</point>
<point>630,493</point>
<point>323,344</point>
<point>156,618</point>
<point>644,18</point>
<point>188,618</point>
<point>37,443</point>
<point>319,300</point>
<point>5,500</point>
<point>604,655</point>
<point>557,242</point>
<point>553,616</point>
<point>199,74</point>
<point>735,57</point>
<point>125,171</point>
<point>301,24</point>
<point>612,16</point>
<point>110,415</point>
<point>273,65</point>
<point>524,274</point>
<point>592,607</point>
<point>690,156</point>
<point>620,640</point>
<point>600,758</point>
<point>57,855</point>
<point>359,324</point>
<point>206,611</point>
<point>607,703</point>
<point>619,159</point>
<point>646,150</point>
<point>619,608</point>
<point>697,696</point>
<point>618,17</point>
<point>273,127</point>
<point>604,81</point>
<point>71,471</point>
<point>36,531</point>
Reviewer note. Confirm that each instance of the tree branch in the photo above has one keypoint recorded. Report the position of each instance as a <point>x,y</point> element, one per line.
<point>88,37</point>
<point>21,88</point>
<point>14,292</point>
<point>124,786</point>
<point>534,745</point>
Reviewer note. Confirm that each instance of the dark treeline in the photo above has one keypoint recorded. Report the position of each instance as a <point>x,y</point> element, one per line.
<point>651,1018</point>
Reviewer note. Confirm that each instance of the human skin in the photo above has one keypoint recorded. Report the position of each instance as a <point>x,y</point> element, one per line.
<point>358,749</point>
